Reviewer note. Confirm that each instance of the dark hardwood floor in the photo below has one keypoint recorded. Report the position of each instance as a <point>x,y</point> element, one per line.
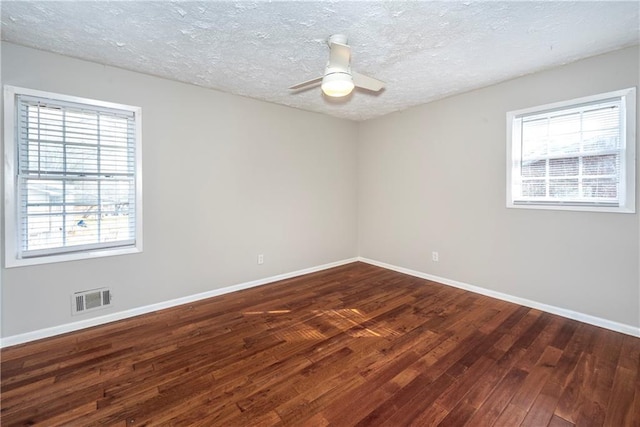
<point>354,345</point>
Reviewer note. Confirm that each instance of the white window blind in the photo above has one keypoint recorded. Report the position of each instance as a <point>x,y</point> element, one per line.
<point>76,177</point>
<point>572,155</point>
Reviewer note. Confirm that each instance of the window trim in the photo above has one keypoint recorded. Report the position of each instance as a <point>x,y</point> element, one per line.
<point>12,256</point>
<point>628,151</point>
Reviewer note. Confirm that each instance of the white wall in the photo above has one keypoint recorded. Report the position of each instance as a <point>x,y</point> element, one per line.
<point>225,178</point>
<point>432,178</point>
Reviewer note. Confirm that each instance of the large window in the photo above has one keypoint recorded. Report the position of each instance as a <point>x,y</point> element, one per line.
<point>72,178</point>
<point>574,155</point>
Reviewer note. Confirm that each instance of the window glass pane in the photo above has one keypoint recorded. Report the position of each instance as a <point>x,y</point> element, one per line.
<point>43,156</point>
<point>115,227</point>
<point>600,188</point>
<point>44,192</point>
<point>81,159</point>
<point>564,144</point>
<point>564,124</point>
<point>115,195</point>
<point>82,224</point>
<point>600,165</point>
<point>534,188</point>
<point>564,167</point>
<point>44,209</point>
<point>83,193</point>
<point>43,232</point>
<point>81,127</point>
<point>114,131</point>
<point>46,124</point>
<point>115,160</point>
<point>531,169</point>
<point>564,189</point>
<point>599,140</point>
<point>601,119</point>
<point>534,138</point>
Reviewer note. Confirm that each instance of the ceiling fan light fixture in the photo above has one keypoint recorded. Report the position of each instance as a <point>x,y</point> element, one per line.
<point>337,84</point>
<point>339,79</point>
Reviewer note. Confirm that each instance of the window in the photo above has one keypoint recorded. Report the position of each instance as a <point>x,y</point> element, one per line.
<point>574,155</point>
<point>72,178</point>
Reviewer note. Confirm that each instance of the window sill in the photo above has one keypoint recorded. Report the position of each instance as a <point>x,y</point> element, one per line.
<point>576,208</point>
<point>74,256</point>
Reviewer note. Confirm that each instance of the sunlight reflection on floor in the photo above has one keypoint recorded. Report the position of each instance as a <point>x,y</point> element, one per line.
<point>348,320</point>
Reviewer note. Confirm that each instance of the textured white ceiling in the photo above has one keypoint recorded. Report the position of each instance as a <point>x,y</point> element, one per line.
<point>422,50</point>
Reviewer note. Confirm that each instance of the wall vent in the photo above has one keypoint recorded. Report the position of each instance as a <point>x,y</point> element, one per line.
<point>95,299</point>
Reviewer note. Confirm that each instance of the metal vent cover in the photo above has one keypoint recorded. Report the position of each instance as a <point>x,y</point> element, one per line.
<point>94,299</point>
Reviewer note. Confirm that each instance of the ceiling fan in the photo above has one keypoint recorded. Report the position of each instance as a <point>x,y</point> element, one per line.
<point>338,79</point>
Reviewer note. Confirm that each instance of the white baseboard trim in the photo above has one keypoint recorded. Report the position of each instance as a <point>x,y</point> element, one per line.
<point>96,321</point>
<point>582,317</point>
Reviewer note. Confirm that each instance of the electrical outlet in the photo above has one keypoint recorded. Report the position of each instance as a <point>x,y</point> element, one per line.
<point>260,259</point>
<point>435,257</point>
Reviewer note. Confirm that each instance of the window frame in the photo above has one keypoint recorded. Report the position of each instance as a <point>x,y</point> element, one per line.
<point>627,152</point>
<point>12,241</point>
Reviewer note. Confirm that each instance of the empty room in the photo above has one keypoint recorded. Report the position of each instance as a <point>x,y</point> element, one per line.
<point>320,213</point>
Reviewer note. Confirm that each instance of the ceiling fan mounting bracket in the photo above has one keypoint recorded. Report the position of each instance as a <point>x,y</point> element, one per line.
<point>337,38</point>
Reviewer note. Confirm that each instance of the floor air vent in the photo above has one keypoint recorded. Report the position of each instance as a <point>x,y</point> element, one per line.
<point>95,299</point>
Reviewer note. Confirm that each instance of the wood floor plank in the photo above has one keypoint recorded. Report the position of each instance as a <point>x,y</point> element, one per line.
<point>635,406</point>
<point>557,421</point>
<point>542,410</point>
<point>599,380</point>
<point>619,410</point>
<point>512,415</point>
<point>459,389</point>
<point>352,345</point>
<point>432,416</point>
<point>536,379</point>
<point>499,398</point>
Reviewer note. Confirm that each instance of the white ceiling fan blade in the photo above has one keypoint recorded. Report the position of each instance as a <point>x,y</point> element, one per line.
<point>308,83</point>
<point>366,82</point>
<point>339,56</point>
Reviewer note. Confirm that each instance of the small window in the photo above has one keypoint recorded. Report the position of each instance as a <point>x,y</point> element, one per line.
<point>73,186</point>
<point>574,155</point>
